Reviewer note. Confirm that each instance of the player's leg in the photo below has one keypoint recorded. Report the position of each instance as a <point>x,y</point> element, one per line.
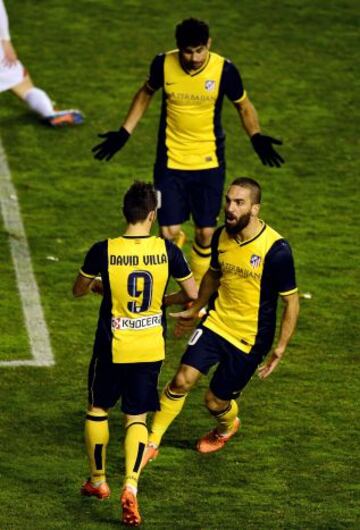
<point>40,103</point>
<point>136,438</point>
<point>139,396</point>
<point>201,252</point>
<point>225,413</point>
<point>198,358</point>
<point>231,376</point>
<point>101,397</point>
<point>205,194</point>
<point>174,203</point>
<point>96,440</point>
<point>36,98</point>
<point>174,233</point>
<point>172,401</point>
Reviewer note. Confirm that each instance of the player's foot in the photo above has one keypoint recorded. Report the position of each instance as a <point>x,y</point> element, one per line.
<point>180,239</point>
<point>102,491</point>
<point>151,452</point>
<point>64,118</point>
<point>130,508</point>
<point>214,441</point>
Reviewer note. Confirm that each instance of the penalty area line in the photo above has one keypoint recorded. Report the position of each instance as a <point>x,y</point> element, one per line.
<point>36,327</point>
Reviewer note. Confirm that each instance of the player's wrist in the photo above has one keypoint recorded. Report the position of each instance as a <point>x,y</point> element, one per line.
<point>279,351</point>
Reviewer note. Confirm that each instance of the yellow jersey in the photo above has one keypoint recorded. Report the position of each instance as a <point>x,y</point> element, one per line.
<point>190,131</point>
<point>135,272</point>
<point>253,274</point>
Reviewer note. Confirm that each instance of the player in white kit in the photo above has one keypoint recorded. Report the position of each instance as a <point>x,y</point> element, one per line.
<point>15,77</point>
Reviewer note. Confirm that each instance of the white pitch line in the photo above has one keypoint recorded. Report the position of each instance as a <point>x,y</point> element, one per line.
<point>29,293</point>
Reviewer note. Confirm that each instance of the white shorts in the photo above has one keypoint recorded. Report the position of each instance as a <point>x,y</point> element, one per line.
<point>10,76</point>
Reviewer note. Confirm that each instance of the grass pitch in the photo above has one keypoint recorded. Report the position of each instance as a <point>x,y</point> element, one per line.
<point>294,464</point>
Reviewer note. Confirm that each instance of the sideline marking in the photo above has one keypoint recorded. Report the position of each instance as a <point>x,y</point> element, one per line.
<point>36,327</point>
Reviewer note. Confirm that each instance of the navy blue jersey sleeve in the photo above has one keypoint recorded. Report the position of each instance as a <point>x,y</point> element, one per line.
<point>156,77</point>
<point>214,261</point>
<point>95,260</point>
<point>231,82</point>
<point>178,266</point>
<point>282,268</point>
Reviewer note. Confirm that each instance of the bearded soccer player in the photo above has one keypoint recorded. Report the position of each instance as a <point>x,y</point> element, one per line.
<point>14,77</point>
<point>251,265</point>
<point>190,166</point>
<point>129,344</point>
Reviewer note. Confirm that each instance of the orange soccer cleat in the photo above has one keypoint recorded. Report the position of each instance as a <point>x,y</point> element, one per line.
<point>151,453</point>
<point>101,492</point>
<point>130,508</point>
<point>63,118</point>
<point>214,441</point>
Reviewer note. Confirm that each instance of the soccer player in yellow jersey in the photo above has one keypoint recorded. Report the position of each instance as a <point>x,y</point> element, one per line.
<point>129,344</point>
<point>190,165</point>
<point>251,264</point>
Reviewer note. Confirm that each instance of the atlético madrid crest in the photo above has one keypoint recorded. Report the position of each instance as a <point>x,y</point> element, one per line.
<point>209,85</point>
<point>255,261</point>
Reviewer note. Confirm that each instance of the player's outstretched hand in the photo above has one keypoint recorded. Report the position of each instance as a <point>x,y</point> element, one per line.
<point>115,140</point>
<point>263,146</point>
<point>270,364</point>
<point>186,321</point>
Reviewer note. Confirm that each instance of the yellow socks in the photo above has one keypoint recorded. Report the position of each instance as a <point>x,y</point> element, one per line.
<point>199,260</point>
<point>170,406</point>
<point>225,418</point>
<point>136,439</point>
<point>96,440</point>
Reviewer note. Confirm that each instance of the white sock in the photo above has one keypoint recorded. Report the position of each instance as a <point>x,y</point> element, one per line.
<point>131,488</point>
<point>39,102</point>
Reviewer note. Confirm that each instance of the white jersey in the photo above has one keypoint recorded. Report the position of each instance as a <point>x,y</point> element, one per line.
<point>10,76</point>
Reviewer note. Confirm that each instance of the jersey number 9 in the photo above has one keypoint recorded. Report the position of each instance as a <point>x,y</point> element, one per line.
<point>140,285</point>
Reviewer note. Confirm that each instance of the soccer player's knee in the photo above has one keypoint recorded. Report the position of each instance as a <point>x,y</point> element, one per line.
<point>214,404</point>
<point>204,235</point>
<point>170,232</point>
<point>181,383</point>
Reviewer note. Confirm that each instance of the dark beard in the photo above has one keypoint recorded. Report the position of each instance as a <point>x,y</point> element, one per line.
<point>240,225</point>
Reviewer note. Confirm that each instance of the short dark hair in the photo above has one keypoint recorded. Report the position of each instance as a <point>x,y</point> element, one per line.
<point>139,200</point>
<point>191,32</point>
<point>252,185</point>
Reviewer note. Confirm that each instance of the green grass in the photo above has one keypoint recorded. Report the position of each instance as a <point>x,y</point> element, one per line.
<point>295,463</point>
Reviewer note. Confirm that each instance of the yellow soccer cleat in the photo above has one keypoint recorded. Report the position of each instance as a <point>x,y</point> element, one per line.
<point>101,492</point>
<point>214,441</point>
<point>130,508</point>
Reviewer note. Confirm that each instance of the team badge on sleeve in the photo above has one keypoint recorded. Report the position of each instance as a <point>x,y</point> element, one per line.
<point>255,261</point>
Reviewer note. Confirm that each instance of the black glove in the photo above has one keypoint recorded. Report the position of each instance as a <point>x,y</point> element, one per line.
<point>115,140</point>
<point>264,149</point>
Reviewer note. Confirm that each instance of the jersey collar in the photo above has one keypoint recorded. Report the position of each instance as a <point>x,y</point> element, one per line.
<point>196,72</point>
<point>247,241</point>
<point>136,237</point>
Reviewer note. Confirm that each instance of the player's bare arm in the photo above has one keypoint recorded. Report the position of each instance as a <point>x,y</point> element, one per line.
<point>188,293</point>
<point>115,140</point>
<point>84,285</point>
<point>248,115</point>
<point>138,107</point>
<point>209,285</point>
<point>287,329</point>
<point>263,145</point>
